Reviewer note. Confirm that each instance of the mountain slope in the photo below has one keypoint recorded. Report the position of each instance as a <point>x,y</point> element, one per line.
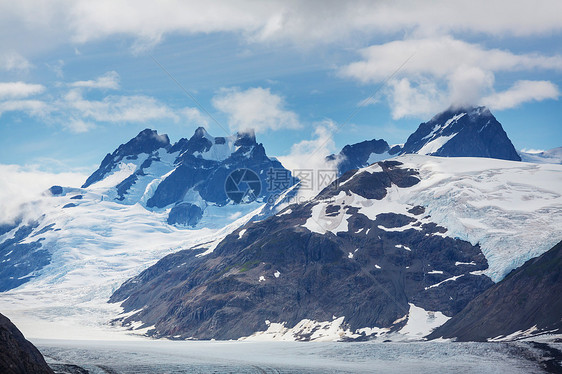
<point>367,272</point>
<point>529,295</point>
<point>462,132</point>
<point>17,355</point>
<point>379,253</point>
<point>147,142</point>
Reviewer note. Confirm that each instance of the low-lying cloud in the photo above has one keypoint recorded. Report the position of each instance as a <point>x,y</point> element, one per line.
<point>20,185</point>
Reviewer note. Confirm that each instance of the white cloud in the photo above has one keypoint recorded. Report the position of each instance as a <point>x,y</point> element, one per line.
<point>321,21</point>
<point>194,116</point>
<point>115,109</point>
<point>13,61</point>
<point>78,126</point>
<point>22,184</point>
<point>77,113</point>
<point>109,80</point>
<point>439,72</point>
<point>521,92</point>
<point>419,99</point>
<point>255,108</point>
<point>439,58</point>
<point>19,89</point>
<point>31,107</point>
<point>311,154</point>
<point>467,85</point>
<point>38,25</point>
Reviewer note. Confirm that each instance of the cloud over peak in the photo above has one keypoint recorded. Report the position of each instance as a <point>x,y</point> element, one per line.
<point>255,108</point>
<point>444,71</point>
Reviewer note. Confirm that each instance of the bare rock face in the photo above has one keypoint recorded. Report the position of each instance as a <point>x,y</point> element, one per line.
<point>17,355</point>
<point>527,299</point>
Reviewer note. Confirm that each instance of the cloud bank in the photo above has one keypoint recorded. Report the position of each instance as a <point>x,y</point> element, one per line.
<point>298,22</point>
<point>74,111</point>
<point>443,71</point>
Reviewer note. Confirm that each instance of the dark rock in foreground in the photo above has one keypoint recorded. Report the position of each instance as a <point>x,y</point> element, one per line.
<point>17,355</point>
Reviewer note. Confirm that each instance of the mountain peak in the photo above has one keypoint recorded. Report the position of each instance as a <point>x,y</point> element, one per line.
<point>201,132</point>
<point>146,141</point>
<point>361,154</point>
<point>462,132</point>
<point>245,138</point>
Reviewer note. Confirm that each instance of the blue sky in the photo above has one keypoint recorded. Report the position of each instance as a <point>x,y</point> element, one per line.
<point>78,79</point>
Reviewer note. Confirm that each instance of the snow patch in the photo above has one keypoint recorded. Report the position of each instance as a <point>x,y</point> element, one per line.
<point>403,246</point>
<point>421,323</point>
<point>443,281</point>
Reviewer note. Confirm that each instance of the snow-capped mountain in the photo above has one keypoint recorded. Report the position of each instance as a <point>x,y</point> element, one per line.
<point>462,132</point>
<point>390,251</point>
<point>185,181</point>
<point>148,198</point>
<point>421,234</point>
<point>188,176</point>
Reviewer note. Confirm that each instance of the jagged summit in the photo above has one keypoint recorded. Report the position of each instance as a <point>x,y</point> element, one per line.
<point>462,132</point>
<point>187,176</point>
<point>147,141</point>
<point>219,148</point>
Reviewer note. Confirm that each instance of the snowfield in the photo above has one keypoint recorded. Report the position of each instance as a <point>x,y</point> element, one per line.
<point>95,247</point>
<point>512,209</point>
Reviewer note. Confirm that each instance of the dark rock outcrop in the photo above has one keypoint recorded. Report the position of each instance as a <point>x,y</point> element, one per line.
<point>17,355</point>
<point>207,177</point>
<point>527,297</point>
<point>362,154</point>
<point>20,258</point>
<point>185,214</point>
<point>56,190</point>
